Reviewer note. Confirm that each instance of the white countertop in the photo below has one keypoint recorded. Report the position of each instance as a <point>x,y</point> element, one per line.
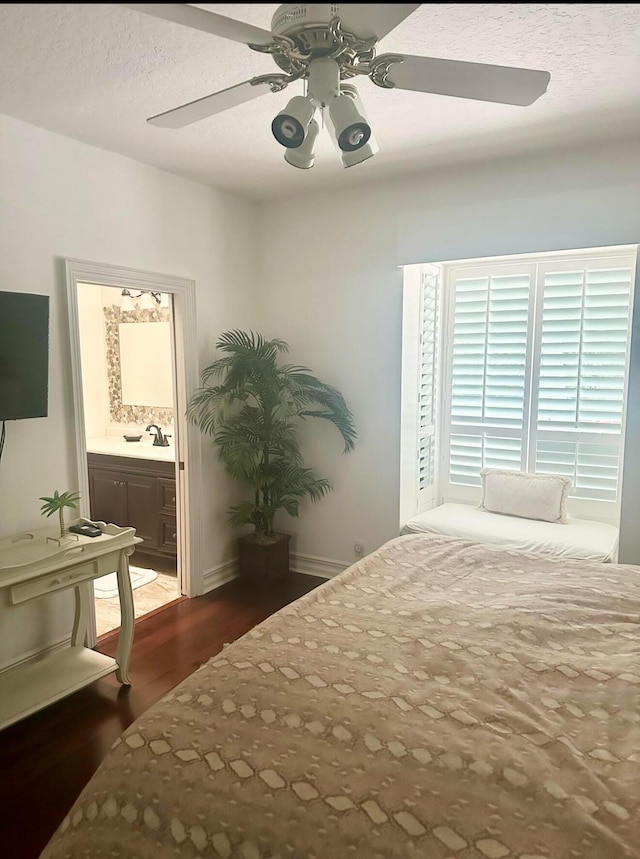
<point>143,449</point>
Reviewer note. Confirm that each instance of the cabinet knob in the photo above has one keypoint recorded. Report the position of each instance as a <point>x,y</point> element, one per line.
<point>173,536</point>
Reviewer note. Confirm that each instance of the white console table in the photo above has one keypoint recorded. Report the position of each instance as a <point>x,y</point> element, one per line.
<point>31,566</point>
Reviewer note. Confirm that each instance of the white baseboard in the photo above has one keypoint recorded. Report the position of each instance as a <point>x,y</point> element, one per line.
<point>219,575</point>
<point>325,568</point>
<point>309,565</point>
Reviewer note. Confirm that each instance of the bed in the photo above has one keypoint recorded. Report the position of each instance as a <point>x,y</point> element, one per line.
<point>440,699</point>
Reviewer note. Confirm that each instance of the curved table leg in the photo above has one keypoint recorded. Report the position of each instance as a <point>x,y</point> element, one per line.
<point>125,638</point>
<point>81,617</point>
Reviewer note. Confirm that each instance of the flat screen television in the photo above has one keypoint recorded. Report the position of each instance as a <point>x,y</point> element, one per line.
<point>24,355</point>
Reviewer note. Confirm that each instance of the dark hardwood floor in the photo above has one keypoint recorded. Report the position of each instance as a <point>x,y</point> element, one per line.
<point>46,759</point>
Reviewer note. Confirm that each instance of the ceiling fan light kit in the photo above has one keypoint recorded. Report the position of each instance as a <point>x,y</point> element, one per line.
<point>290,126</point>
<point>351,129</point>
<point>303,156</point>
<point>325,45</point>
<point>338,104</point>
<point>365,148</point>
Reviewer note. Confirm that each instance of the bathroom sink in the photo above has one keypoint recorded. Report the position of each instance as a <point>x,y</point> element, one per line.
<point>117,446</point>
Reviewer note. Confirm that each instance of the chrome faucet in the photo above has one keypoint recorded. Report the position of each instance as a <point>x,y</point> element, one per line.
<point>159,439</point>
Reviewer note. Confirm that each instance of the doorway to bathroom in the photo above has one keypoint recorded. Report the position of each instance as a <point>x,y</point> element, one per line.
<point>128,386</point>
<point>131,371</point>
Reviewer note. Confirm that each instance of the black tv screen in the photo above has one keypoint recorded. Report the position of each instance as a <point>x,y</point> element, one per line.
<point>24,355</point>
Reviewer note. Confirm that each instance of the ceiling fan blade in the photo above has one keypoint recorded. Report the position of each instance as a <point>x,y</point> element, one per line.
<point>210,22</point>
<point>368,20</point>
<point>202,108</point>
<point>503,84</point>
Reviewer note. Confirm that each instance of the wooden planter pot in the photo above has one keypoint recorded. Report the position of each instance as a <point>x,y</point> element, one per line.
<point>261,563</point>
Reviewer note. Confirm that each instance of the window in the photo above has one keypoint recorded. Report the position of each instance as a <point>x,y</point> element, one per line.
<point>487,370</point>
<point>528,358</point>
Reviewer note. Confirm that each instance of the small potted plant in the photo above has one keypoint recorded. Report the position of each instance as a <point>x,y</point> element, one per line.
<point>56,504</point>
<point>253,415</point>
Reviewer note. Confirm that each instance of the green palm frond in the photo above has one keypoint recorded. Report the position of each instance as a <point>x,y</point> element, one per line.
<point>253,408</point>
<point>308,391</point>
<point>251,342</point>
<point>57,501</point>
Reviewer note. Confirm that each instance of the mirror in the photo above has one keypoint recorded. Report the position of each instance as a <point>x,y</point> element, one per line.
<point>145,364</point>
<point>139,365</point>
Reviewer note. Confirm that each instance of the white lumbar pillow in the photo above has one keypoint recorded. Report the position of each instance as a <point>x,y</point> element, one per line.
<point>530,496</point>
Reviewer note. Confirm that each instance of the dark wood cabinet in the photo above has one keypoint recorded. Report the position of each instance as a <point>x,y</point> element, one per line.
<point>168,528</point>
<point>108,496</point>
<point>138,493</point>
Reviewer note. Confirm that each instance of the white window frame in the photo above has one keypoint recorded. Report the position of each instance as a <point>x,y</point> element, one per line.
<point>412,501</point>
<point>410,392</point>
<point>624,256</point>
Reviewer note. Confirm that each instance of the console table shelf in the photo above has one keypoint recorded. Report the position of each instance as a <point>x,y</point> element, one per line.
<point>31,566</point>
<point>28,688</point>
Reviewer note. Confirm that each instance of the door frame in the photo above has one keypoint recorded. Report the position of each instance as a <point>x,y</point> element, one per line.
<point>186,375</point>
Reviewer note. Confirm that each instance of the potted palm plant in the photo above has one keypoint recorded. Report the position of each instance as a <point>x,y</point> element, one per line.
<point>253,406</point>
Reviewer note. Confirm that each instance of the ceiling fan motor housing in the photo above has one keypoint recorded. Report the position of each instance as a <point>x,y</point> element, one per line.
<point>303,32</point>
<point>291,17</point>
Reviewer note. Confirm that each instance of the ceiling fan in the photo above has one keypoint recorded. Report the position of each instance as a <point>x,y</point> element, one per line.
<point>326,45</point>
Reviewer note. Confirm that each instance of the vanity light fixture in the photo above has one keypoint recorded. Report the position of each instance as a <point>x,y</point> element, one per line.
<point>146,301</point>
<point>144,298</point>
<point>126,302</point>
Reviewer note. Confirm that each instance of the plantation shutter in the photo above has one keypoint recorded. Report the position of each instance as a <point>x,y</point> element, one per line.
<point>583,344</point>
<point>427,417</point>
<point>488,403</point>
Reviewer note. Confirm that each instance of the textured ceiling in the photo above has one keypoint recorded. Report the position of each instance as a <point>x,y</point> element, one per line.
<point>96,72</point>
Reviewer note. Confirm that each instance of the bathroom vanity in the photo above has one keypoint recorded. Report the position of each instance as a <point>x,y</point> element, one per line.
<point>136,492</point>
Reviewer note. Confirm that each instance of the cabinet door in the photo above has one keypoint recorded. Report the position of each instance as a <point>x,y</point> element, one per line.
<point>168,534</point>
<point>142,507</point>
<point>167,488</point>
<point>108,497</point>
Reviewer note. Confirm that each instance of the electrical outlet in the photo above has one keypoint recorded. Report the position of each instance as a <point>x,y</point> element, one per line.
<point>358,549</point>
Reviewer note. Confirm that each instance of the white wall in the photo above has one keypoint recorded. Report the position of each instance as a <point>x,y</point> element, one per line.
<point>332,289</point>
<point>60,198</point>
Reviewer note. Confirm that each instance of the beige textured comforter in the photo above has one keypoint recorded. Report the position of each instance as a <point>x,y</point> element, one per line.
<point>437,700</point>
